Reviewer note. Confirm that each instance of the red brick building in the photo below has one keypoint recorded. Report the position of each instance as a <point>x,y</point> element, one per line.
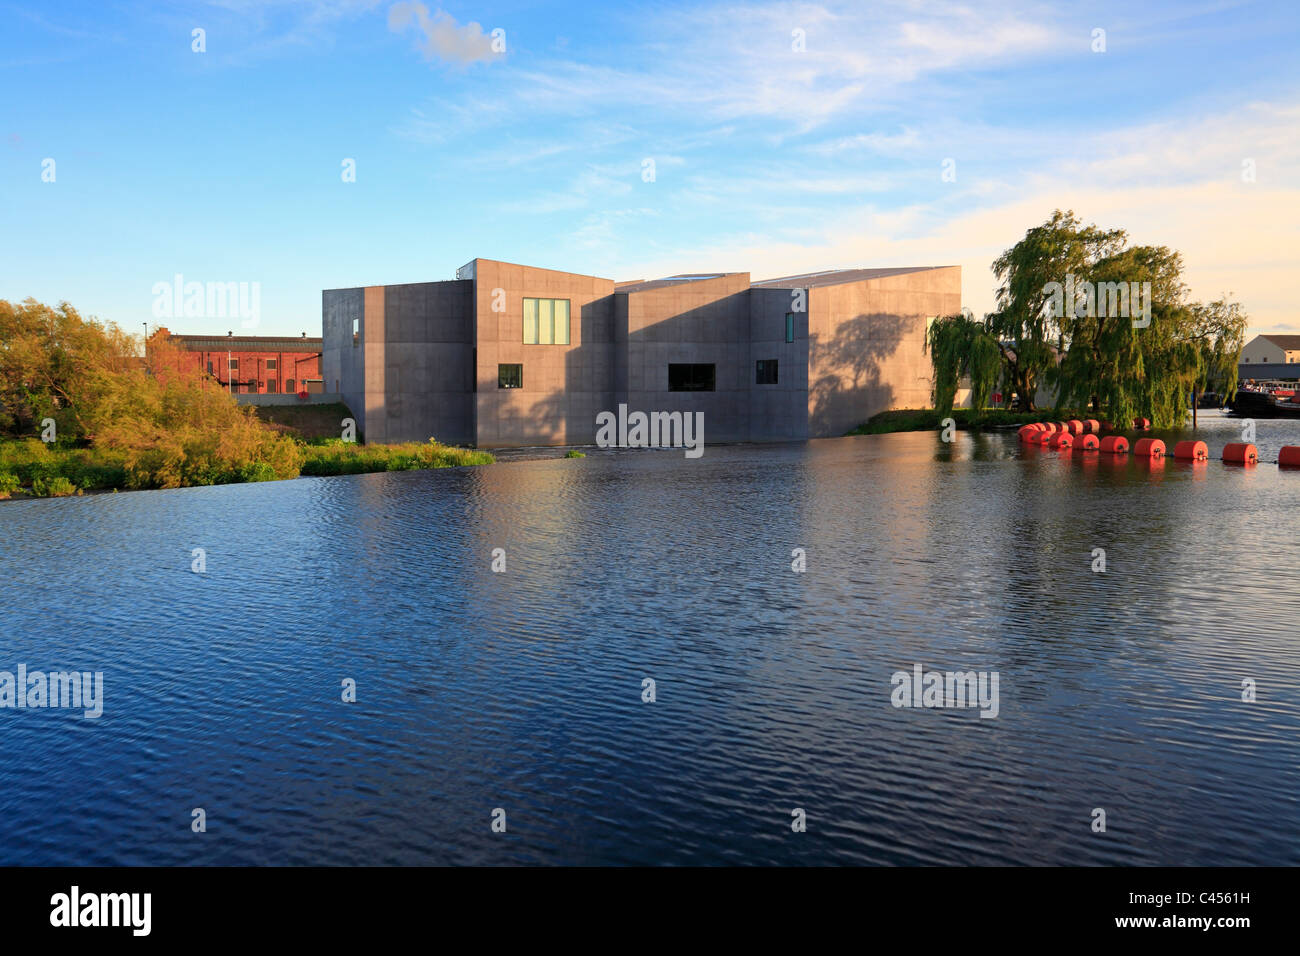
<point>247,364</point>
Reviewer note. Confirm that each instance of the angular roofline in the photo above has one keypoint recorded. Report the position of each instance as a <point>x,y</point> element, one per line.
<point>842,276</point>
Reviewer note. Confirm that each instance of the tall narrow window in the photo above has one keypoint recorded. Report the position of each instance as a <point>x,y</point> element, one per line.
<point>510,376</point>
<point>546,321</point>
<point>789,326</point>
<point>356,332</point>
<point>270,386</point>
<point>530,321</point>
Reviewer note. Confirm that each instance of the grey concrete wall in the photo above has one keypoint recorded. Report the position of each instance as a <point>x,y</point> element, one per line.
<point>780,411</point>
<point>866,345</point>
<point>341,363</point>
<point>705,321</point>
<point>428,364</point>
<point>564,385</point>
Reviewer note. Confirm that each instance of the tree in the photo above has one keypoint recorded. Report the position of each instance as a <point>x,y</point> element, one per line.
<point>1026,332</point>
<point>961,346</point>
<point>177,427</point>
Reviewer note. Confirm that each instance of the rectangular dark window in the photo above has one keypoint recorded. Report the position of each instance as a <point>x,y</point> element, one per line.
<point>270,365</point>
<point>234,365</point>
<point>766,374</point>
<point>270,386</point>
<point>288,385</point>
<point>789,326</point>
<point>356,332</point>
<point>510,376</point>
<point>692,378</point>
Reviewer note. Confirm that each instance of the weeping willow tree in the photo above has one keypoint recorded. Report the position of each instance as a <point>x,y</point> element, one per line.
<point>962,346</point>
<point>1133,346</point>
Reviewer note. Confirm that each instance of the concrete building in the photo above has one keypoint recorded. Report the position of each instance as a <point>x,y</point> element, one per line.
<point>508,354</point>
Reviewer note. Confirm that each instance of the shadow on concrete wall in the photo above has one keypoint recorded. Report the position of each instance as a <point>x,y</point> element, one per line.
<point>846,383</point>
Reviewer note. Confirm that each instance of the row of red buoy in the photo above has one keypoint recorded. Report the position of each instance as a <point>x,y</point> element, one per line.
<point>1082,434</point>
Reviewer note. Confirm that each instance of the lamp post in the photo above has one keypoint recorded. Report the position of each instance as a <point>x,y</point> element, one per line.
<point>230,388</point>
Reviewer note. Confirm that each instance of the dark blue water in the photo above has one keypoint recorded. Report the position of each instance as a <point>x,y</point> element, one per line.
<point>522,690</point>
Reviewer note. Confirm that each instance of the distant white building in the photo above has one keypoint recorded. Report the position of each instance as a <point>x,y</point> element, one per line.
<point>1271,350</point>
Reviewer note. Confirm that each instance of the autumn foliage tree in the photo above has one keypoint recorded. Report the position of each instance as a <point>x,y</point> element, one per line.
<point>171,424</point>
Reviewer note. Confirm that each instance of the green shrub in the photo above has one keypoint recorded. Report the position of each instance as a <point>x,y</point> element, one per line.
<point>574,453</point>
<point>54,488</point>
<point>8,484</point>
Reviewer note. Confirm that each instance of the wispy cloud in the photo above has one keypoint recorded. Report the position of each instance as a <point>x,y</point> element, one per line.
<point>442,38</point>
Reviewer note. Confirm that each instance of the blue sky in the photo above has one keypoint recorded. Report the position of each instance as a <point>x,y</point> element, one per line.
<point>225,165</point>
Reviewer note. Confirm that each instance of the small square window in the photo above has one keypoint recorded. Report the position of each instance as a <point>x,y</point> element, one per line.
<point>270,365</point>
<point>510,376</point>
<point>766,372</point>
<point>234,365</point>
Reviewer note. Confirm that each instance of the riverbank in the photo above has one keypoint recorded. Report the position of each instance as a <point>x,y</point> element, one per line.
<point>927,419</point>
<point>32,469</point>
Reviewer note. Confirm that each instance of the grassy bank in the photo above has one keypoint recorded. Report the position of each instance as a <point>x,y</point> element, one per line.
<point>336,457</point>
<point>308,422</point>
<point>927,419</point>
<point>31,468</point>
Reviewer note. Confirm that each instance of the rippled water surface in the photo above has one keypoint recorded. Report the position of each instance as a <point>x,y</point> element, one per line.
<point>522,690</point>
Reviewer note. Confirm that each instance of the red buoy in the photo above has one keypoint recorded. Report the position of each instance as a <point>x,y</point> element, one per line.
<point>1241,453</point>
<point>1027,431</point>
<point>1191,451</point>
<point>1075,426</point>
<point>1044,437</point>
<point>1091,426</point>
<point>1115,444</point>
<point>1061,440</point>
<point>1149,448</point>
<point>1142,424</point>
<point>1087,443</point>
<point>1289,455</point>
<point>1062,427</point>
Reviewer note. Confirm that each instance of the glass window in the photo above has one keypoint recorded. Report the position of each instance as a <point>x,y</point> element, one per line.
<point>766,373</point>
<point>530,321</point>
<point>546,321</point>
<point>561,321</point>
<point>510,376</point>
<point>270,365</point>
<point>270,386</point>
<point>692,378</point>
<point>789,326</point>
<point>288,385</point>
<point>356,331</point>
<point>234,365</point>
